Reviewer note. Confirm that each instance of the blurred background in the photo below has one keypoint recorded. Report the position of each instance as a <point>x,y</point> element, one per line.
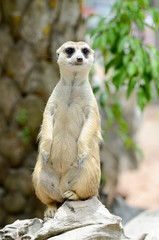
<point>30,33</point>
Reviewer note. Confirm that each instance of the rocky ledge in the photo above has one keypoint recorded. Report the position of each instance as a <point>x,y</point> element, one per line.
<point>80,220</point>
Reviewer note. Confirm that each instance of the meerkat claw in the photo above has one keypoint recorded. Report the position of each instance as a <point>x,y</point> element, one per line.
<point>80,159</point>
<point>45,157</point>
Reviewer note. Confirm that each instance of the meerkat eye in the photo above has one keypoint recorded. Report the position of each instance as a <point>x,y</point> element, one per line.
<point>69,51</point>
<point>85,51</point>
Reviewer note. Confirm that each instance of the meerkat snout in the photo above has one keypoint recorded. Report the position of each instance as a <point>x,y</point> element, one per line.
<point>79,59</point>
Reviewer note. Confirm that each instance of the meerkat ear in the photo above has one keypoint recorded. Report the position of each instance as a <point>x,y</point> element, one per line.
<point>58,52</point>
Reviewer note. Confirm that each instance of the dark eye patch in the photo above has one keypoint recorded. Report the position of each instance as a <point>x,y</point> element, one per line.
<point>85,51</point>
<point>69,51</point>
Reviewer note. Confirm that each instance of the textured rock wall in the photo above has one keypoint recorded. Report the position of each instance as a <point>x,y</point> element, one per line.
<point>30,33</point>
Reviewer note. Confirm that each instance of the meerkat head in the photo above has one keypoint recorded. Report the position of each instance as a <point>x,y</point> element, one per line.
<point>75,56</point>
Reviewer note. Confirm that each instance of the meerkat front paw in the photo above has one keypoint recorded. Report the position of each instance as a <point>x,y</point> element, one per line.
<point>45,156</point>
<point>50,211</point>
<point>70,195</point>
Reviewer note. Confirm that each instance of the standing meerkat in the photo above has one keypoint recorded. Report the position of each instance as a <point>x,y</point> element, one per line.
<point>68,164</point>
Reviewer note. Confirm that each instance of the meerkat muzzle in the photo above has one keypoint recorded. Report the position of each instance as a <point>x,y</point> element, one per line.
<point>79,59</point>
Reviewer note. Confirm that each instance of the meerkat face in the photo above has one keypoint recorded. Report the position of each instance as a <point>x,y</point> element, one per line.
<point>75,56</point>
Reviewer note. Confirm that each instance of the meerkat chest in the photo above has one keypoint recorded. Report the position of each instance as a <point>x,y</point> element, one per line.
<point>72,97</point>
<point>71,103</point>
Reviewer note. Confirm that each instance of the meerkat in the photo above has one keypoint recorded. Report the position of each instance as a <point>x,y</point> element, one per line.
<point>68,164</point>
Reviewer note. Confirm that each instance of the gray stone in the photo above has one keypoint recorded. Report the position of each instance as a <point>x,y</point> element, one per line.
<point>14,202</point>
<point>125,211</point>
<point>2,215</point>
<point>22,183</point>
<point>12,11</point>
<point>36,25</point>
<point>3,167</point>
<point>30,160</point>
<point>12,147</point>
<point>5,43</point>
<point>3,124</point>
<point>42,79</point>
<point>80,220</point>
<point>9,96</point>
<point>20,61</point>
<point>28,116</point>
<point>65,29</point>
<point>144,226</point>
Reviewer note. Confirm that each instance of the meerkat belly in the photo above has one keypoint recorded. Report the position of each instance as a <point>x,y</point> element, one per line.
<point>68,122</point>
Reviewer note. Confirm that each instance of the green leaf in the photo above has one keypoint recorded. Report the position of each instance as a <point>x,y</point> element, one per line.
<point>109,116</point>
<point>107,86</point>
<point>144,3</point>
<point>131,69</point>
<point>125,29</point>
<point>96,89</point>
<point>103,99</point>
<point>109,64</point>
<point>103,39</point>
<point>139,60</point>
<point>155,15</point>
<point>140,23</point>
<point>141,99</point>
<point>120,77</point>
<point>123,125</point>
<point>112,36</point>
<point>96,42</point>
<point>127,58</point>
<point>137,149</point>
<point>131,85</point>
<point>121,43</point>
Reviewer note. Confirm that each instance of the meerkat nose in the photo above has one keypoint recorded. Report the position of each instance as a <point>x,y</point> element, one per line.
<point>79,59</point>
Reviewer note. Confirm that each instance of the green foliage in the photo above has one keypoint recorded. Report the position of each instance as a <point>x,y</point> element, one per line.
<point>132,64</point>
<point>22,118</point>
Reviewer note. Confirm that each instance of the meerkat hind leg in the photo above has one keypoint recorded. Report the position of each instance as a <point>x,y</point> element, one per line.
<point>50,211</point>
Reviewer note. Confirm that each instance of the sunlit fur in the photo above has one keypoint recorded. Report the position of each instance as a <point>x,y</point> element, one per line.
<point>69,135</point>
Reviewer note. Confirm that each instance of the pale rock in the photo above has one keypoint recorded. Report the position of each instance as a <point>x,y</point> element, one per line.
<point>20,60</point>
<point>80,220</point>
<point>144,227</point>
<point>36,25</point>
<point>42,79</point>
<point>66,29</point>
<point>72,9</point>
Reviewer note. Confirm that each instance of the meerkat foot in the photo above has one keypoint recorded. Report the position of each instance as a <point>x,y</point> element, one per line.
<point>45,156</point>
<point>80,159</point>
<point>50,211</point>
<point>70,195</point>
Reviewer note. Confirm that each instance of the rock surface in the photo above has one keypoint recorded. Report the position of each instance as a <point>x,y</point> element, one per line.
<point>78,220</point>
<point>144,226</point>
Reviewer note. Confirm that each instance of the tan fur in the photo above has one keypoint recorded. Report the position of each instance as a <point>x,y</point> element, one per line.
<point>68,165</point>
